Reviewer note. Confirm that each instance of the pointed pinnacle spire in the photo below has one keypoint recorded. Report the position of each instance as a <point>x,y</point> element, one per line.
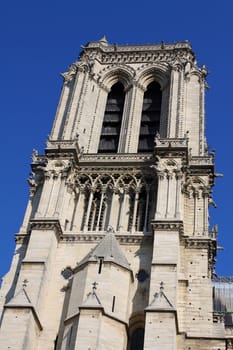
<point>103,40</point>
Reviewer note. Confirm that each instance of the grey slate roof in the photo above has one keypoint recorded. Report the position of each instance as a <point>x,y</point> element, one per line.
<point>109,250</point>
<point>223,297</point>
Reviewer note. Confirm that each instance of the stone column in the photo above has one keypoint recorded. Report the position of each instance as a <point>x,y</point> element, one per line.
<point>205,195</point>
<point>63,106</point>
<point>103,191</point>
<point>173,105</point>
<point>135,209</point>
<point>146,209</point>
<point>91,194</point>
<point>45,195</point>
<point>114,209</point>
<point>134,121</point>
<point>122,209</point>
<point>60,195</point>
<point>168,195</point>
<point>160,206</point>
<point>178,195</point>
<point>73,111</point>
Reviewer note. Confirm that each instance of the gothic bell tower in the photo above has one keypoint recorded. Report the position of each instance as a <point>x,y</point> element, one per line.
<point>115,251</point>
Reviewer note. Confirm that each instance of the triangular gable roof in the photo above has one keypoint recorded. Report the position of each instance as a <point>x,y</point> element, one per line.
<point>20,298</point>
<point>92,301</point>
<point>109,250</point>
<point>160,301</point>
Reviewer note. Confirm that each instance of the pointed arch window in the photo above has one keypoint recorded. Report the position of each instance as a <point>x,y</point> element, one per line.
<point>110,133</point>
<point>150,120</point>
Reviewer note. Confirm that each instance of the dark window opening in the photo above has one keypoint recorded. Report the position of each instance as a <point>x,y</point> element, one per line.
<point>140,219</point>
<point>113,303</point>
<point>137,339</point>
<point>70,335</point>
<point>111,127</point>
<point>142,275</point>
<point>150,121</point>
<point>101,260</point>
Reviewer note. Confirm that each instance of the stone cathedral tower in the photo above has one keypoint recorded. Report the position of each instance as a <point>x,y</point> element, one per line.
<point>115,250</point>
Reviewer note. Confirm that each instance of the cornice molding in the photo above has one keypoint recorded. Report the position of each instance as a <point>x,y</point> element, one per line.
<point>45,224</point>
<point>63,148</point>
<point>108,53</point>
<point>158,225</point>
<point>199,243</point>
<point>115,158</point>
<point>126,239</point>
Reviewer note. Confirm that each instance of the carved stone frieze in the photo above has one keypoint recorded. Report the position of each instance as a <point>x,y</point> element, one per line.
<point>116,171</point>
<point>127,239</point>
<point>201,161</point>
<point>168,226</point>
<point>115,158</point>
<point>150,53</point>
<point>199,243</point>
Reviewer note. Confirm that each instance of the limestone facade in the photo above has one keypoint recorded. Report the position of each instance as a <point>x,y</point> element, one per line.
<point>115,250</point>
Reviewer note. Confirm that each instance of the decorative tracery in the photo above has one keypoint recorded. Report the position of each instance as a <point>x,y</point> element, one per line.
<point>122,201</point>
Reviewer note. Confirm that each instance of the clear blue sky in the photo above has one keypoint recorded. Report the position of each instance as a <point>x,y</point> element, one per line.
<point>40,39</point>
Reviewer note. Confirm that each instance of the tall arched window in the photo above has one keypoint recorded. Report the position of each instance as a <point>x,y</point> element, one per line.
<point>150,120</point>
<point>111,127</point>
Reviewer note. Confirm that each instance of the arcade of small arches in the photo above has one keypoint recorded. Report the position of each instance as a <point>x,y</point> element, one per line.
<point>120,202</point>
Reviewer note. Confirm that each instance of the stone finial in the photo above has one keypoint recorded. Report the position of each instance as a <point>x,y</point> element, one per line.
<point>25,283</point>
<point>94,287</point>
<point>161,287</point>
